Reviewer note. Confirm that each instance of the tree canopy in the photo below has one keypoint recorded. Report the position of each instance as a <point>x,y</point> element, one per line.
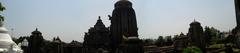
<point>1,9</point>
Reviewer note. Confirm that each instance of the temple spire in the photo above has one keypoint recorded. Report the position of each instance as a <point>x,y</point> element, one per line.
<point>36,29</point>
<point>99,23</point>
<point>99,18</point>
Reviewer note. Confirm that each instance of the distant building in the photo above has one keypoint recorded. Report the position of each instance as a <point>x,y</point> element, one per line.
<point>58,45</point>
<point>73,47</point>
<point>97,37</point>
<point>36,42</point>
<point>24,45</point>
<point>196,36</point>
<point>180,42</point>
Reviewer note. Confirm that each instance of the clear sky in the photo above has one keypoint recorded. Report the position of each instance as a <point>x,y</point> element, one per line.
<point>69,19</point>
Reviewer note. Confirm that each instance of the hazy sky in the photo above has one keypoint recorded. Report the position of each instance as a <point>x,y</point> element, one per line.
<point>69,19</point>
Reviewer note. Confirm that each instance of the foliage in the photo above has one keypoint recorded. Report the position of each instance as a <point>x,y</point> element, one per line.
<point>212,35</point>
<point>1,9</point>
<point>14,39</point>
<point>148,41</point>
<point>20,39</point>
<point>192,49</point>
<point>164,41</point>
<point>217,46</point>
<point>169,40</point>
<point>160,41</point>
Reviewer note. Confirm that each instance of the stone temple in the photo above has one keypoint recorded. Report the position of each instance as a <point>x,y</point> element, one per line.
<point>236,30</point>
<point>97,38</point>
<point>196,35</point>
<point>237,9</point>
<point>120,37</point>
<point>123,25</point>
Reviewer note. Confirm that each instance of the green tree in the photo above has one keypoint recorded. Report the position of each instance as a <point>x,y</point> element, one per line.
<point>192,49</point>
<point>1,9</point>
<point>169,40</point>
<point>160,41</point>
<point>208,35</point>
<point>148,41</point>
<point>212,34</point>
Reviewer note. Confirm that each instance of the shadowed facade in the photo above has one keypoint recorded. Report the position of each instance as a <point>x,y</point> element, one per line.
<point>236,30</point>
<point>97,38</point>
<point>36,42</point>
<point>123,22</point>
<point>237,6</point>
<point>196,35</point>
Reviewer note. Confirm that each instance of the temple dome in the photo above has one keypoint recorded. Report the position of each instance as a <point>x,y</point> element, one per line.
<point>99,23</point>
<point>123,3</point>
<point>195,23</point>
<point>36,31</point>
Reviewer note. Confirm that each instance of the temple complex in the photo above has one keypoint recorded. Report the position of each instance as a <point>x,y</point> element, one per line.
<point>122,37</point>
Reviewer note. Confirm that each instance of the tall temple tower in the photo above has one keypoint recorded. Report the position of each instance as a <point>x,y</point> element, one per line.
<point>237,8</point>
<point>236,30</point>
<point>196,36</point>
<point>123,21</point>
<point>36,42</point>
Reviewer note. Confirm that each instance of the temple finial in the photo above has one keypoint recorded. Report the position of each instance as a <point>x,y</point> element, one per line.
<point>99,17</point>
<point>36,29</point>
